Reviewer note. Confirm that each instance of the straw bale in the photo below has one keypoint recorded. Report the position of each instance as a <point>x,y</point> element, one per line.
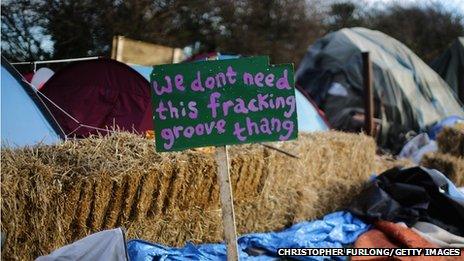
<point>451,140</point>
<point>54,195</point>
<point>71,196</point>
<point>451,166</point>
<point>114,207</point>
<point>145,194</point>
<point>101,200</point>
<point>386,162</point>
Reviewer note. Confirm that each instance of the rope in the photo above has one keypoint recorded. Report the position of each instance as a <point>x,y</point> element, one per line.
<point>72,118</point>
<point>56,105</point>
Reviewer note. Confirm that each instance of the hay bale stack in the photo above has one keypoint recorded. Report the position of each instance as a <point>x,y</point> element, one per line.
<point>450,156</point>
<point>451,166</point>
<point>53,195</point>
<point>451,140</point>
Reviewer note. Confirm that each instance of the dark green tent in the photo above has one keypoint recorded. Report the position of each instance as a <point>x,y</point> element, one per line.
<point>409,95</point>
<point>450,66</point>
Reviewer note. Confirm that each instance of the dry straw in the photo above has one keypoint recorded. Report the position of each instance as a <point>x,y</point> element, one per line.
<point>450,156</point>
<point>451,140</point>
<point>53,195</point>
<point>451,166</point>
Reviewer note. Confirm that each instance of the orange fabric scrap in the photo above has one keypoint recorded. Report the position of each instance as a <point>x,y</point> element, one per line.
<point>390,235</point>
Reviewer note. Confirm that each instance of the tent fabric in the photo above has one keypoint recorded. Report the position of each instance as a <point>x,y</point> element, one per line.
<point>335,230</point>
<point>411,195</point>
<point>408,94</point>
<point>104,245</point>
<point>25,120</point>
<point>310,119</point>
<point>101,93</point>
<point>450,66</point>
<point>41,77</point>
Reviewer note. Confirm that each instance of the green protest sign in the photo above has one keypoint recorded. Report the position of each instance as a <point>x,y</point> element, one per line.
<point>221,102</point>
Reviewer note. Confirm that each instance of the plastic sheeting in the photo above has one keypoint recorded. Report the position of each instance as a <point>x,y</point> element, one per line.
<point>438,235</point>
<point>408,94</point>
<point>447,122</point>
<point>411,195</point>
<point>450,66</point>
<point>334,230</point>
<point>417,147</point>
<point>104,245</point>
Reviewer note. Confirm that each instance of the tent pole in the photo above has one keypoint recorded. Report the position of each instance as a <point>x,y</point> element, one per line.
<point>58,61</point>
<point>368,95</point>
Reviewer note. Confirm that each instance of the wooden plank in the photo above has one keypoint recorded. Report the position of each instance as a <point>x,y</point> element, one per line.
<point>227,203</point>
<point>142,53</point>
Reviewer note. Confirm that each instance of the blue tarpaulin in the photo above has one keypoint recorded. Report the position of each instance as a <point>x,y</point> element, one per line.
<point>446,122</point>
<point>334,230</point>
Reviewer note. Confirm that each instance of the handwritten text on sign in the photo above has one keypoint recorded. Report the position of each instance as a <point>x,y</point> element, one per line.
<point>223,102</point>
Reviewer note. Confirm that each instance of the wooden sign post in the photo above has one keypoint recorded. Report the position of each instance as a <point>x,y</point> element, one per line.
<point>221,102</point>
<point>368,95</point>
<point>227,202</point>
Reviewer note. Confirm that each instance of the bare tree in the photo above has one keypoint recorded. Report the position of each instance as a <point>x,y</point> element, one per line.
<point>282,29</point>
<point>22,31</point>
<point>426,30</point>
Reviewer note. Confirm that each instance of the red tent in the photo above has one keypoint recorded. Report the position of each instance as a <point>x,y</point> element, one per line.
<point>88,97</point>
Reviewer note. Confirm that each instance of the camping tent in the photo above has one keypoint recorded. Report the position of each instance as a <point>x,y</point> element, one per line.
<point>408,94</point>
<point>94,96</point>
<point>450,66</point>
<point>25,119</point>
<point>309,117</point>
<point>41,76</point>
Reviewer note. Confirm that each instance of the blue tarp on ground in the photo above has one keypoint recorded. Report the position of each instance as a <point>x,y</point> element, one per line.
<point>334,230</point>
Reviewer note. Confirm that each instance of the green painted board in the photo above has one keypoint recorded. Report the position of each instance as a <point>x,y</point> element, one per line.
<point>221,102</point>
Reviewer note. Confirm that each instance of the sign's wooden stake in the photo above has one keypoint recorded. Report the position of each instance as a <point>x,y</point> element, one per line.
<point>227,203</point>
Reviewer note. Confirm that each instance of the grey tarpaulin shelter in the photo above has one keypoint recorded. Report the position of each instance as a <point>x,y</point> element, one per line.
<point>408,94</point>
<point>450,66</point>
